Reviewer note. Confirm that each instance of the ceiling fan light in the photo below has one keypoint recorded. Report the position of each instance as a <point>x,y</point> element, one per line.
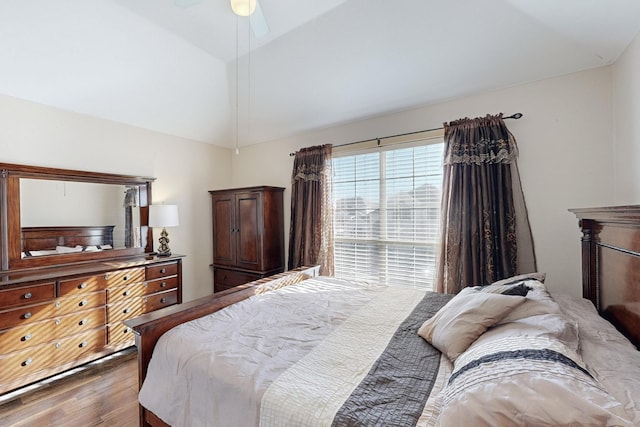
<point>243,7</point>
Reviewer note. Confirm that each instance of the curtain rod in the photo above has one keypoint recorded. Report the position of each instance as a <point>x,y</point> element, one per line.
<point>514,116</point>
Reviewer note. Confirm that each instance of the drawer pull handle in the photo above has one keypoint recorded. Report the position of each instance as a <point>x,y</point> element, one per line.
<point>127,330</point>
<point>106,276</point>
<point>58,344</point>
<point>126,310</point>
<point>83,302</point>
<point>83,322</point>
<point>27,295</point>
<point>163,270</point>
<point>58,321</point>
<point>83,344</point>
<point>82,285</point>
<point>27,315</point>
<point>27,362</point>
<point>26,337</point>
<point>58,304</point>
<point>163,284</point>
<point>126,277</point>
<point>126,293</point>
<point>163,300</point>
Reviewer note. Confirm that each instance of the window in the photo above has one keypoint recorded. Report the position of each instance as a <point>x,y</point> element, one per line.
<point>387,214</point>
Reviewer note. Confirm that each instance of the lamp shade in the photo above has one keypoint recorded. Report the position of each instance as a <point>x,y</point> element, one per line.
<point>243,7</point>
<point>163,216</point>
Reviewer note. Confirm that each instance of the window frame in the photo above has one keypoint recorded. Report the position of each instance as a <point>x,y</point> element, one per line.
<point>385,241</point>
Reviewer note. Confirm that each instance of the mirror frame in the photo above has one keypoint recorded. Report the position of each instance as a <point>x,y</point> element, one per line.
<point>10,226</point>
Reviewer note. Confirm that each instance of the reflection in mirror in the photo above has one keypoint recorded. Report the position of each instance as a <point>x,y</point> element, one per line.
<point>49,203</point>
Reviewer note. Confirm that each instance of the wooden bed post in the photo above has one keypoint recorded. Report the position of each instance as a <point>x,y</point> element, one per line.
<point>590,238</point>
<point>611,264</point>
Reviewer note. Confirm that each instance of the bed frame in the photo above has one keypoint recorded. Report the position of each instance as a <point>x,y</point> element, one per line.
<point>611,265</point>
<point>47,238</point>
<point>610,279</point>
<point>149,327</point>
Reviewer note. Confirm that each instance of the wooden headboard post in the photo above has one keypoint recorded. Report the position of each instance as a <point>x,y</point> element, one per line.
<point>4,208</point>
<point>589,241</point>
<point>611,264</point>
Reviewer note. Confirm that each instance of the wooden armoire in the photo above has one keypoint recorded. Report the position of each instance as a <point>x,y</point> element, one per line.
<point>248,235</point>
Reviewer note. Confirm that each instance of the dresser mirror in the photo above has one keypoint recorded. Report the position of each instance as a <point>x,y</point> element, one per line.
<point>48,203</point>
<point>58,216</point>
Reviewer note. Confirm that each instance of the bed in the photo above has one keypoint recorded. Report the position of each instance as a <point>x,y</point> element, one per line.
<point>296,349</point>
<point>55,240</point>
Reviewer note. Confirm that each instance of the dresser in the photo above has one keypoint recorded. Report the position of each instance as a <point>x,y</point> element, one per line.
<point>56,319</point>
<point>76,262</point>
<point>248,234</point>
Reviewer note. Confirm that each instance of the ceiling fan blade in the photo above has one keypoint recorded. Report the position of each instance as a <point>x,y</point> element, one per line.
<point>258,22</point>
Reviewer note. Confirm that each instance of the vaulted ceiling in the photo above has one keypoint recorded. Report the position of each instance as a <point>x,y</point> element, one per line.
<point>170,65</point>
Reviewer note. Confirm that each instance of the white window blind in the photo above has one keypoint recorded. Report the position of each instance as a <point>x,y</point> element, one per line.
<point>387,214</point>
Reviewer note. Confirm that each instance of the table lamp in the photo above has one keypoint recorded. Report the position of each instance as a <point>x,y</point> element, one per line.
<point>163,216</point>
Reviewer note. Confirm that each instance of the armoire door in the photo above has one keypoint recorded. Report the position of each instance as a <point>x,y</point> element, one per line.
<point>224,235</point>
<point>249,226</point>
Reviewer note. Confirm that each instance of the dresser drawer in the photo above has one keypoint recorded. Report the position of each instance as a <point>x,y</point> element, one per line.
<point>224,279</point>
<point>126,292</point>
<point>20,363</point>
<point>120,334</point>
<point>33,313</point>
<point>160,285</point>
<point>124,277</point>
<point>82,285</point>
<point>81,302</point>
<point>158,301</point>
<point>22,337</point>
<point>141,289</point>
<point>162,270</point>
<point>27,295</point>
<point>134,307</point>
<point>124,310</point>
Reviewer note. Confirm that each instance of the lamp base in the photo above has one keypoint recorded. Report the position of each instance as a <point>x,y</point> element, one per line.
<point>163,249</point>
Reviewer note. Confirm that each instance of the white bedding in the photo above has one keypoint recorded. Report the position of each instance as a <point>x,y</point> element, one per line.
<point>260,361</point>
<point>214,370</point>
<point>337,365</point>
<point>609,356</point>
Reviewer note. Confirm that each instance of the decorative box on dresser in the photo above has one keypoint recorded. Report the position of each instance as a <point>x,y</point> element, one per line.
<point>65,291</point>
<point>248,234</point>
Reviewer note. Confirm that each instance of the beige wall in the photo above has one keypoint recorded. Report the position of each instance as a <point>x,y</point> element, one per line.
<point>626,106</point>
<point>185,170</point>
<point>566,158</point>
<point>565,140</point>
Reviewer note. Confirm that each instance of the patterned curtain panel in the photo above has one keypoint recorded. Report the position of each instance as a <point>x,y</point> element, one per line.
<point>131,236</point>
<point>311,231</point>
<point>485,228</point>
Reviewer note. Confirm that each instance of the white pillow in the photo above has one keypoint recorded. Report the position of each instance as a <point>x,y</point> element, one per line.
<point>464,318</point>
<point>524,373</point>
<point>67,249</point>
<point>539,276</point>
<point>43,252</point>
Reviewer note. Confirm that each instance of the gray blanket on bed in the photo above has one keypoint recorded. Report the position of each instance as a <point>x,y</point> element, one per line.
<point>373,370</point>
<point>395,390</point>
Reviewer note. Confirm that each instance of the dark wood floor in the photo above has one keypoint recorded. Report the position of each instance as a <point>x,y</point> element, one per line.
<point>103,395</point>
